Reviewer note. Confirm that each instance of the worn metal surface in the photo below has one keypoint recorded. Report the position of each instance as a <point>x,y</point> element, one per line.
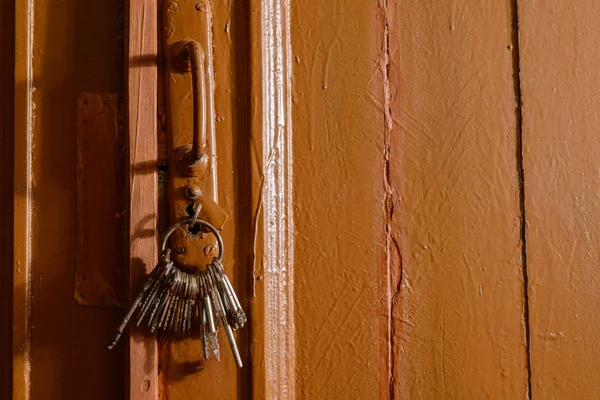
<point>100,278</point>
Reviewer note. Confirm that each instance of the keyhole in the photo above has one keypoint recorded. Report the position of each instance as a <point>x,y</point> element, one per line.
<point>196,229</point>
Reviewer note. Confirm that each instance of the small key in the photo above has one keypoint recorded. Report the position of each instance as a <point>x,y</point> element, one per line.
<point>231,339</point>
<point>165,312</point>
<point>133,307</point>
<point>173,306</point>
<point>158,286</point>
<point>204,331</point>
<point>173,320</point>
<point>154,318</point>
<point>193,322</point>
<point>212,330</point>
<point>186,304</point>
<point>160,271</point>
<point>238,312</point>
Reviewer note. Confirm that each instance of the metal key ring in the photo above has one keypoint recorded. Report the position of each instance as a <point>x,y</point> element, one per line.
<point>212,229</point>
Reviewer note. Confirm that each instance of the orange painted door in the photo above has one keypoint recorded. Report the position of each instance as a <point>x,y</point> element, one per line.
<point>410,188</point>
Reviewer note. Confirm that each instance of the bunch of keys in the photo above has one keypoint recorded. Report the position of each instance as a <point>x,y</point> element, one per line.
<point>180,302</point>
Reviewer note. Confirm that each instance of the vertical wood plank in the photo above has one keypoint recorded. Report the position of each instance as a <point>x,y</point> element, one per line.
<point>22,203</point>
<point>559,45</point>
<point>273,304</point>
<point>456,297</point>
<point>7,90</point>
<point>338,118</point>
<point>141,102</point>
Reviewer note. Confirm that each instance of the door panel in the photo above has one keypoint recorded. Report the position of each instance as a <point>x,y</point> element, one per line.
<point>561,158</point>
<point>410,190</point>
<point>338,197</point>
<point>457,306</point>
<point>77,48</point>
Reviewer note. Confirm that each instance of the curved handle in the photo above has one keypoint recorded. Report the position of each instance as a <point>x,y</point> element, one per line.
<point>189,57</point>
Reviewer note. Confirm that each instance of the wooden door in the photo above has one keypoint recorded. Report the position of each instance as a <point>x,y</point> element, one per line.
<point>410,188</point>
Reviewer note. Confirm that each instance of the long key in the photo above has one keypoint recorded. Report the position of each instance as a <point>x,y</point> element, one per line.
<point>158,287</point>
<point>239,313</point>
<point>172,306</point>
<point>165,312</point>
<point>230,338</point>
<point>133,307</point>
<point>204,331</point>
<point>165,296</point>
<point>155,282</point>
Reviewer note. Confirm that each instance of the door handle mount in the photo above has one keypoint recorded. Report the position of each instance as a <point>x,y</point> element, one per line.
<point>191,159</point>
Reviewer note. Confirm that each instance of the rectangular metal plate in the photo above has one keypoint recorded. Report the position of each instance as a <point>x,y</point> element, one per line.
<point>99,274</point>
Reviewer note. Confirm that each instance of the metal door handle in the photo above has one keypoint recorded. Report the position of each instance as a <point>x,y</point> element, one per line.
<point>188,56</point>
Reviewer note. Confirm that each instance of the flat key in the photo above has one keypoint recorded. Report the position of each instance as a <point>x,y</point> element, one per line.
<point>212,330</point>
<point>133,307</point>
<point>173,306</point>
<point>231,339</point>
<point>204,331</point>
<point>160,272</point>
<point>154,318</point>
<point>165,312</point>
<point>186,302</point>
<point>172,321</point>
<point>158,287</point>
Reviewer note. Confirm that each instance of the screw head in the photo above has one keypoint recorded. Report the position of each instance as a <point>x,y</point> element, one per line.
<point>193,192</point>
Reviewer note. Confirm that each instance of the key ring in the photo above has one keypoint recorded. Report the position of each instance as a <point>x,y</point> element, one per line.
<point>212,229</point>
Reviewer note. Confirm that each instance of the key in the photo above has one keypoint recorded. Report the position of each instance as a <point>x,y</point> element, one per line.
<point>193,321</point>
<point>160,271</point>
<point>157,287</point>
<point>231,339</point>
<point>172,306</point>
<point>238,312</point>
<point>204,330</point>
<point>181,310</point>
<point>133,307</point>
<point>186,304</point>
<point>177,305</point>
<point>154,318</point>
<point>212,330</point>
<point>165,312</point>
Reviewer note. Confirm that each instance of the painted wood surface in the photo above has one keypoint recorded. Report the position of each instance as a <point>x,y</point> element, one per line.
<point>457,326</point>
<point>380,161</point>
<point>65,49</point>
<point>141,108</point>
<point>338,126</point>
<point>559,46</point>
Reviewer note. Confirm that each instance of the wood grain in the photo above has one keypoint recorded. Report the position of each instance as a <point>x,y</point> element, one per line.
<point>141,100</point>
<point>457,304</point>
<point>559,45</point>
